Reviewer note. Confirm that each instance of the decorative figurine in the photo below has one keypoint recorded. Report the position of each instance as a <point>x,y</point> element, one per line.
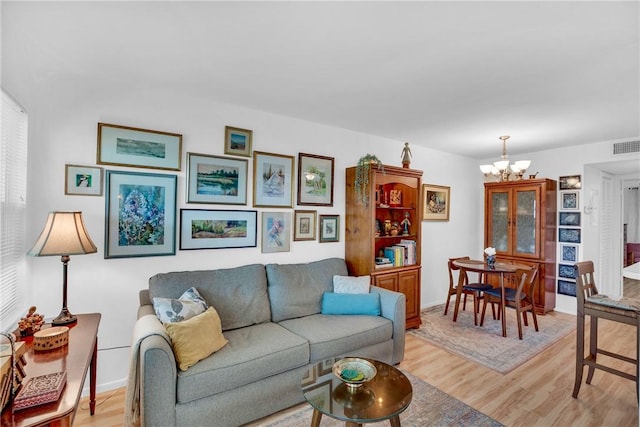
<point>406,156</point>
<point>405,224</point>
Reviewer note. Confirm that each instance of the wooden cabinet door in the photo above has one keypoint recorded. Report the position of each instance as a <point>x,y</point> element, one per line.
<point>387,281</point>
<point>408,283</point>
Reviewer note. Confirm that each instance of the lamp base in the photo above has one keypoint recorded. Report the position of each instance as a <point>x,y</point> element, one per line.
<point>64,318</point>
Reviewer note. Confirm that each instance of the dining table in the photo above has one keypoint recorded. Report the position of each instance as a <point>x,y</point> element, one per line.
<point>501,269</point>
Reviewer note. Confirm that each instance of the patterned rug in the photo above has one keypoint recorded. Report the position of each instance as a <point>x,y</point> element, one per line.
<point>485,345</point>
<point>429,407</point>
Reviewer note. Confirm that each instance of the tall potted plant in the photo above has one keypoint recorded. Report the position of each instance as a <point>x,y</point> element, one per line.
<point>362,176</point>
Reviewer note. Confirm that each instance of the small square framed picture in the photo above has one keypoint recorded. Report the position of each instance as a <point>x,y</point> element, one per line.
<point>237,141</point>
<point>82,180</point>
<point>304,225</point>
<point>329,228</point>
<point>569,200</point>
<point>569,253</point>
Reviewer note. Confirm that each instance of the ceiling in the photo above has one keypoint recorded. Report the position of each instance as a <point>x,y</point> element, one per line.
<point>452,76</point>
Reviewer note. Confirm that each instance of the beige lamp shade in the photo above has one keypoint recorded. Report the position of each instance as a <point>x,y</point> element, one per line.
<point>63,234</point>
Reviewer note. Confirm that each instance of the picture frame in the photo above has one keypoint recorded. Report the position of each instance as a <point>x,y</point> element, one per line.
<point>237,141</point>
<point>569,253</point>
<point>329,228</point>
<point>570,182</point>
<point>216,179</point>
<point>150,228</point>
<point>83,180</point>
<point>304,225</point>
<point>567,271</point>
<point>319,395</point>
<point>315,180</point>
<point>436,202</point>
<point>272,180</point>
<point>276,229</point>
<point>141,148</point>
<point>217,229</point>
<point>569,200</point>
<point>571,219</point>
<point>309,376</point>
<point>566,287</point>
<point>569,235</point>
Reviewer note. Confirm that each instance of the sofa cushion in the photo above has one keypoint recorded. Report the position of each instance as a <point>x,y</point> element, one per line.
<point>189,304</point>
<point>351,284</point>
<point>330,336</point>
<point>196,338</point>
<point>295,290</point>
<point>238,294</point>
<point>334,303</point>
<point>253,353</point>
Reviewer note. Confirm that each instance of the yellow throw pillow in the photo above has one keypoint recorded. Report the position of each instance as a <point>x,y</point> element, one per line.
<point>196,338</point>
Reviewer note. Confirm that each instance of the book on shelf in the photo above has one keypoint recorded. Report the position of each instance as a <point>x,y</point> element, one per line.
<point>411,257</point>
<point>40,390</point>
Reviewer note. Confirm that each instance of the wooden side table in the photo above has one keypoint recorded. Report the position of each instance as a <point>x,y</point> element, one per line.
<point>77,357</point>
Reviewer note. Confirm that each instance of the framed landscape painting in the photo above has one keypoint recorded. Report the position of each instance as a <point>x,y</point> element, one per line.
<point>217,229</point>
<point>140,214</point>
<point>315,180</point>
<point>237,141</point>
<point>141,148</point>
<point>214,179</point>
<point>272,180</point>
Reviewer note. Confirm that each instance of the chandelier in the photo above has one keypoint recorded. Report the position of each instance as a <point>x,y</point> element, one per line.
<point>501,169</point>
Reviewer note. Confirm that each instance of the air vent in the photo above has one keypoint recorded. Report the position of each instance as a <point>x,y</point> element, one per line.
<point>626,147</point>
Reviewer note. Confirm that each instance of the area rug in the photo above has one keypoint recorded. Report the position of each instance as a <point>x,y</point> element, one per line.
<point>485,345</point>
<point>429,407</point>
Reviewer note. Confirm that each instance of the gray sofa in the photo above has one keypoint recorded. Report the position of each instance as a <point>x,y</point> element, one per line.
<point>271,317</point>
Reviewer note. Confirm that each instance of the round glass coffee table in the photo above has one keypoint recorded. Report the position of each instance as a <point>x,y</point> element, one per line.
<point>385,397</point>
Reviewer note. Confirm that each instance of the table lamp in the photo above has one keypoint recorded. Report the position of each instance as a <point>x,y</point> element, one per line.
<point>64,234</point>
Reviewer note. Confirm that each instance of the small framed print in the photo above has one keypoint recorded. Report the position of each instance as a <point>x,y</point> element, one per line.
<point>569,235</point>
<point>315,180</point>
<point>569,200</point>
<point>215,179</point>
<point>304,225</point>
<point>237,141</point>
<point>569,253</point>
<point>567,271</point>
<point>436,202</point>
<point>82,180</point>
<point>329,228</point>
<point>141,148</point>
<point>276,229</point>
<point>571,182</point>
<point>570,219</point>
<point>272,180</point>
<point>566,287</point>
<point>217,229</point>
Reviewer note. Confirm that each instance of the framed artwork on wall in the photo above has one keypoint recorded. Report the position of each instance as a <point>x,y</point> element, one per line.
<point>566,287</point>
<point>315,180</point>
<point>569,235</point>
<point>436,201</point>
<point>571,182</point>
<point>567,271</point>
<point>141,148</point>
<point>304,225</point>
<point>140,214</point>
<point>272,180</point>
<point>215,179</point>
<point>329,228</point>
<point>276,229</point>
<point>569,253</point>
<point>570,219</point>
<point>569,200</point>
<point>237,141</point>
<point>82,180</point>
<point>217,229</point>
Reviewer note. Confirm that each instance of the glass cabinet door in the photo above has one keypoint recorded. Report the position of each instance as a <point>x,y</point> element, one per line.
<point>500,220</point>
<point>525,221</point>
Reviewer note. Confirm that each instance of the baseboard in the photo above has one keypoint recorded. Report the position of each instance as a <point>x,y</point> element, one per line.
<point>105,387</point>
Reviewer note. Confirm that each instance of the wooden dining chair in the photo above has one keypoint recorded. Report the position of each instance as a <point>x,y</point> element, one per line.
<point>521,299</point>
<point>475,289</point>
<point>590,303</point>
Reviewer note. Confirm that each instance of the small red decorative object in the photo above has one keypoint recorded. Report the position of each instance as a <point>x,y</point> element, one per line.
<point>31,323</point>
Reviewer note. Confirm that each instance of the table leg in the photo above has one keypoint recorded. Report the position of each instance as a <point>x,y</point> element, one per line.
<point>315,419</point>
<point>395,421</point>
<point>502,305</point>
<point>92,378</point>
<point>352,424</point>
<point>459,293</point>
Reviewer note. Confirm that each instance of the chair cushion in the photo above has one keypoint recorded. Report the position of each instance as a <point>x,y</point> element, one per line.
<point>331,336</point>
<point>477,287</point>
<point>509,293</point>
<point>253,353</point>
<point>334,303</point>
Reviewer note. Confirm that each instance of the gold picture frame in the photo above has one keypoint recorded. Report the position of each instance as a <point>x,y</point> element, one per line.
<point>237,141</point>
<point>436,202</point>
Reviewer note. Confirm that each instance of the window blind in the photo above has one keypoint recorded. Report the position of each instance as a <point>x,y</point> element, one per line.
<point>13,203</point>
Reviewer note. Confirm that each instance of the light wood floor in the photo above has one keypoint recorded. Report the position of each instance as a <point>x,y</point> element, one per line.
<point>537,393</point>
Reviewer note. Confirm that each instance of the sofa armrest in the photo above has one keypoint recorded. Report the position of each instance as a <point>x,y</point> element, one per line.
<point>393,307</point>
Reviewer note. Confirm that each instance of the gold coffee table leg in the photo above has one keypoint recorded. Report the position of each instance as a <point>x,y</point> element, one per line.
<point>315,420</point>
<point>395,421</point>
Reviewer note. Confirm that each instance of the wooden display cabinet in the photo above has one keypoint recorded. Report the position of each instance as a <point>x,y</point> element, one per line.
<point>520,223</point>
<point>393,195</point>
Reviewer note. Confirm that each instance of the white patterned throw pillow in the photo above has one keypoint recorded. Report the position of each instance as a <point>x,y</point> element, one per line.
<point>189,304</point>
<point>351,284</point>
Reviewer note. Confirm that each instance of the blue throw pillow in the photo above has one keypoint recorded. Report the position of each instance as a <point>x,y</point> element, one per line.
<point>333,303</point>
